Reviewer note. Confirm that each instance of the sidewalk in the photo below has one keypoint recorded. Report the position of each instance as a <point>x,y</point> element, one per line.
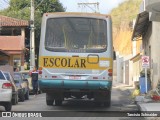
<point>126,90</point>
<point>123,86</point>
<point>149,107</point>
<point>150,111</point>
<point>152,106</point>
<point>146,105</point>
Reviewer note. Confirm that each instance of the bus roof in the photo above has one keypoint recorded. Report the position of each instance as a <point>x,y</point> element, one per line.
<point>76,14</point>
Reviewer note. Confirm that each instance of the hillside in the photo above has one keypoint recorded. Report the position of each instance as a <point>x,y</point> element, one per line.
<point>122,18</point>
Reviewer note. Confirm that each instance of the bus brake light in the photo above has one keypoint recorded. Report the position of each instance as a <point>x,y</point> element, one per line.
<point>110,72</point>
<point>40,72</point>
<point>40,68</point>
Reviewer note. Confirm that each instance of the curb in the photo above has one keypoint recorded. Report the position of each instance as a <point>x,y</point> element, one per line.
<point>138,106</point>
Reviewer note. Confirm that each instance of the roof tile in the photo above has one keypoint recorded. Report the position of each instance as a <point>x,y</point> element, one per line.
<point>9,21</point>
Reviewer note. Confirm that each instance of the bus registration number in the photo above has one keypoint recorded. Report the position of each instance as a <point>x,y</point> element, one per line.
<point>74,77</point>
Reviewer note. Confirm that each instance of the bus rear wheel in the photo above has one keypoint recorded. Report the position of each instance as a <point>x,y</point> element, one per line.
<point>107,104</point>
<point>108,100</point>
<point>49,102</point>
<point>49,99</point>
<point>103,98</point>
<point>58,102</point>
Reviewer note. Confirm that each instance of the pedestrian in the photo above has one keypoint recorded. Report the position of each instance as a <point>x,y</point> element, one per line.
<point>16,70</point>
<point>34,77</point>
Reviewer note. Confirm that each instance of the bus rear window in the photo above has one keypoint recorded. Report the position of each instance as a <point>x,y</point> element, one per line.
<point>68,34</point>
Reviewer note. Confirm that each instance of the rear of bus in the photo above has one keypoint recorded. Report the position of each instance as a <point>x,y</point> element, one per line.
<point>75,57</point>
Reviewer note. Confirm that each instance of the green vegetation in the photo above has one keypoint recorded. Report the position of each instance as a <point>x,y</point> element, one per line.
<point>122,18</point>
<point>125,13</point>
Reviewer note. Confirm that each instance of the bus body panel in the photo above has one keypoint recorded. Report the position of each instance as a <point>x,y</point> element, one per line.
<point>76,71</point>
<point>76,84</point>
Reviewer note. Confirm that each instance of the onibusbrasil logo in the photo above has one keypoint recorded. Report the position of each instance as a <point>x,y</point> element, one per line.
<point>21,114</point>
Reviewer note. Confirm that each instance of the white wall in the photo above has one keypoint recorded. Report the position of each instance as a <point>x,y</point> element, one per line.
<point>155,52</point>
<point>122,75</point>
<point>119,69</point>
<point>152,40</point>
<point>114,70</point>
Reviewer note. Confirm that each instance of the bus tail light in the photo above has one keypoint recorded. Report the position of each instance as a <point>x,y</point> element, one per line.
<point>7,86</point>
<point>54,76</point>
<point>110,72</point>
<point>40,70</point>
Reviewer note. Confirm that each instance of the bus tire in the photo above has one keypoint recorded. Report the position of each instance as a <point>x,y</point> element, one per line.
<point>107,104</point>
<point>58,102</point>
<point>49,99</point>
<point>108,101</point>
<point>49,102</point>
<point>98,104</point>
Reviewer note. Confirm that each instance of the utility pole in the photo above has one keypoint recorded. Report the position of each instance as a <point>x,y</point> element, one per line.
<point>93,6</point>
<point>32,37</point>
<point>144,5</point>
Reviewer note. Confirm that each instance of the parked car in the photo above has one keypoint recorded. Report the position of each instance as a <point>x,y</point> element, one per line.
<point>23,86</point>
<point>26,75</point>
<point>5,92</point>
<point>14,87</point>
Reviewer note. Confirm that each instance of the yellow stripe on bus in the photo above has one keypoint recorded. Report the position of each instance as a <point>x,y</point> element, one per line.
<point>75,62</point>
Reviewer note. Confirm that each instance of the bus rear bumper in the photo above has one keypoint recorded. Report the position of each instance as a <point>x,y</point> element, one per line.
<point>75,84</point>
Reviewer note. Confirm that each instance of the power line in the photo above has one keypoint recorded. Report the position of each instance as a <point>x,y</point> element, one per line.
<point>6,2</point>
<point>90,5</point>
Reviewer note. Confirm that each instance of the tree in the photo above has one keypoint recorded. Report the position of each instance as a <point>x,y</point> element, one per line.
<point>50,6</point>
<point>44,6</point>
<point>21,9</point>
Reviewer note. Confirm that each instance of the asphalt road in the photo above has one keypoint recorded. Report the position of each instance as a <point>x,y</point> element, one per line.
<point>73,109</point>
<point>120,102</point>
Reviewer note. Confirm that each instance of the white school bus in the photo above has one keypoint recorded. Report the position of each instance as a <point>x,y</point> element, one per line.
<point>76,57</point>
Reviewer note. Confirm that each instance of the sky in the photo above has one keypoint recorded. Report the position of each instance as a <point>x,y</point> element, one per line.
<point>105,6</point>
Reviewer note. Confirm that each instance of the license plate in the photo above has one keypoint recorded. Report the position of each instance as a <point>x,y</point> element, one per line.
<point>74,77</point>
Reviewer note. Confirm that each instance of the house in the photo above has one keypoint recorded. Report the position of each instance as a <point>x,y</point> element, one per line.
<point>137,67</point>
<point>12,41</point>
<point>4,57</point>
<point>147,28</point>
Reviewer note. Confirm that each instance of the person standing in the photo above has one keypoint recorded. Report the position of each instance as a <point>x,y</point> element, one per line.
<point>34,77</point>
